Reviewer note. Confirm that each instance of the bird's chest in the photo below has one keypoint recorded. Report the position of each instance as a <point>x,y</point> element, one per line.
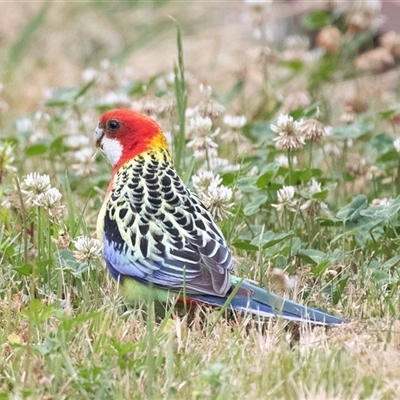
<point>148,189</point>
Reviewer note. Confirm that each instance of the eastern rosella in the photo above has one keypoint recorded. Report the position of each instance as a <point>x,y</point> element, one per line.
<point>159,236</point>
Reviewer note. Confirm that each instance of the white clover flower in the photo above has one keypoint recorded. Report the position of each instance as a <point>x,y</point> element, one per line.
<point>283,161</point>
<point>314,187</point>
<point>204,179</point>
<point>203,146</point>
<point>190,113</point>
<point>50,201</point>
<point>208,107</point>
<point>87,249</point>
<point>89,74</point>
<point>296,48</point>
<point>36,183</point>
<point>205,89</point>
<point>314,207</point>
<point>115,99</point>
<point>365,15</point>
<point>289,133</point>
<point>105,64</point>
<point>199,126</point>
<point>84,164</point>
<point>24,124</point>
<point>286,200</point>
<point>384,201</point>
<point>49,198</point>
<point>222,164</point>
<point>76,141</point>
<point>235,121</point>
<point>396,144</point>
<point>217,200</point>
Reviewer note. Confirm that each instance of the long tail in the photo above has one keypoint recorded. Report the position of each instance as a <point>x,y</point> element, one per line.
<point>267,304</point>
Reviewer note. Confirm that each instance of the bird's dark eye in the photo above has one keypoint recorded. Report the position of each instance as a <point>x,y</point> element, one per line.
<point>113,125</point>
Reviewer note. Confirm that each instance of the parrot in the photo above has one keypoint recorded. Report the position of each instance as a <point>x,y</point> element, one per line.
<point>159,238</point>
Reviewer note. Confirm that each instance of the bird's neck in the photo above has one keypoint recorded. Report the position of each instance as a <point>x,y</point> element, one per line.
<point>139,145</point>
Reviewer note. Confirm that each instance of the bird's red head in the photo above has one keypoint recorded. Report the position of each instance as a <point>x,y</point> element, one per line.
<point>123,134</point>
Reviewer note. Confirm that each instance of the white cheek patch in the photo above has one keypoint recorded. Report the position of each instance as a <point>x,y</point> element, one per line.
<point>112,149</point>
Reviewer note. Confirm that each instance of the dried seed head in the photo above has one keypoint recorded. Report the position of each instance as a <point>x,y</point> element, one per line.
<point>62,241</point>
<point>374,172</point>
<point>329,39</point>
<point>376,60</point>
<point>152,105</point>
<point>357,165</point>
<point>391,42</point>
<point>281,282</point>
<point>313,130</point>
<point>348,117</point>
<point>208,107</point>
<point>357,102</point>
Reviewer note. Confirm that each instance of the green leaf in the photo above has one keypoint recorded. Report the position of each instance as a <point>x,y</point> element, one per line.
<point>269,238</point>
<point>63,96</point>
<point>380,276</point>
<point>25,269</point>
<point>294,65</point>
<point>36,149</point>
<point>362,39</point>
<point>315,20</point>
<point>48,346</point>
<point>320,268</point>
<point>390,155</point>
<point>254,206</point>
<point>41,265</point>
<point>245,246</point>
<point>248,184</point>
<point>351,212</point>
<point>353,131</point>
<point>321,195</point>
<point>392,262</point>
<point>390,113</point>
<point>339,289</point>
<point>267,174</point>
<point>312,256</point>
<point>57,145</point>
<point>382,142</point>
<point>82,91</point>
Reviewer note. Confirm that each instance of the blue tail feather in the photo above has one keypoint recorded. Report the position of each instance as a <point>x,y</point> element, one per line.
<point>267,304</point>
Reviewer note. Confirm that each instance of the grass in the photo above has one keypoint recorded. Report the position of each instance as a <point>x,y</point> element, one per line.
<point>66,332</point>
